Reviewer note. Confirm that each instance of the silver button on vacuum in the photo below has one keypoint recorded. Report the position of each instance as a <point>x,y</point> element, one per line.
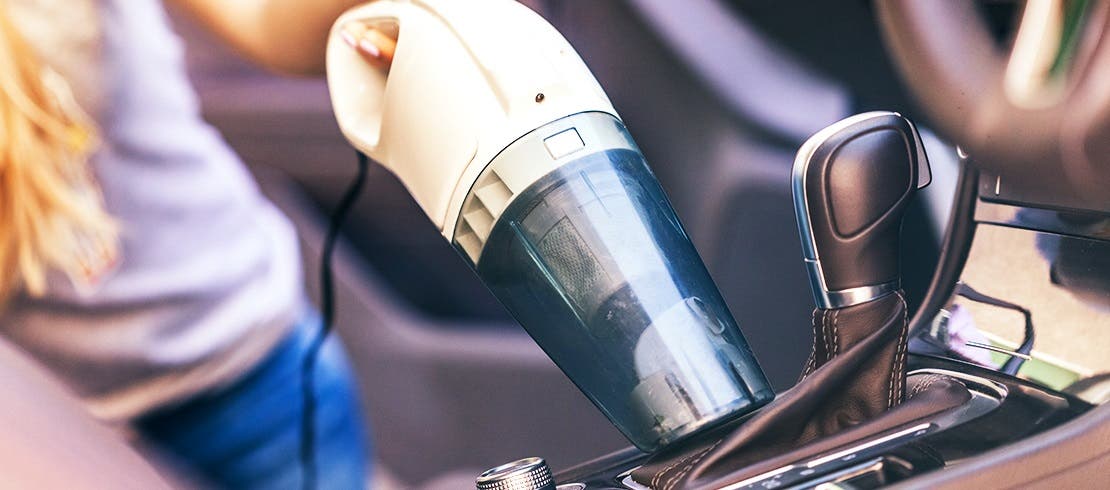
<point>524,474</point>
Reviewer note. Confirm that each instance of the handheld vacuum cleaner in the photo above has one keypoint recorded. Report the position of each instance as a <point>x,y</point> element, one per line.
<point>503,136</point>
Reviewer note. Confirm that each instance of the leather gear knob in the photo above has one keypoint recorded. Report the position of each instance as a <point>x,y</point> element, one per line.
<point>852,182</point>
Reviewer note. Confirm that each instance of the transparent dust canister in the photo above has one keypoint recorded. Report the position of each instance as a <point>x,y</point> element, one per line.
<point>573,234</point>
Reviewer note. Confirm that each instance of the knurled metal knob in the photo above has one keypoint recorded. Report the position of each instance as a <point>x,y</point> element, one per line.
<point>524,474</point>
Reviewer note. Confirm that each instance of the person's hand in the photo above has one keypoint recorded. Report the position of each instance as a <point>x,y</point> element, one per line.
<point>375,46</point>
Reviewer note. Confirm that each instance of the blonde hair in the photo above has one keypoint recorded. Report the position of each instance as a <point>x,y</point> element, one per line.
<point>52,216</point>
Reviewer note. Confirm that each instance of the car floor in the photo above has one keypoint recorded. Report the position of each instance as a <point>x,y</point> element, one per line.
<point>1017,266</point>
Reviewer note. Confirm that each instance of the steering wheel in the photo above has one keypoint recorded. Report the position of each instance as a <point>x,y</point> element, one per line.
<point>1035,116</point>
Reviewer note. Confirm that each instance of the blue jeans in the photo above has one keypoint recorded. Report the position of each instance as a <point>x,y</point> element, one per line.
<point>247,435</point>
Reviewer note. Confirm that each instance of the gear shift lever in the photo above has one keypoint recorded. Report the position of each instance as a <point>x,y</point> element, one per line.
<point>852,182</point>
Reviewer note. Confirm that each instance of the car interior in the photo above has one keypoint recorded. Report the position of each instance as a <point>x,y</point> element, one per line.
<point>1004,257</point>
<point>453,385</point>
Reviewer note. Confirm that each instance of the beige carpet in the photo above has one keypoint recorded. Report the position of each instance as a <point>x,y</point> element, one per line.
<point>1005,263</point>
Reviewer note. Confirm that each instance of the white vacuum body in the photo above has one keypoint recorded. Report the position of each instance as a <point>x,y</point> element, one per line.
<point>505,139</point>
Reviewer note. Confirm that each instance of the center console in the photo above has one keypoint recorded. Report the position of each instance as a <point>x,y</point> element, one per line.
<point>1002,410</point>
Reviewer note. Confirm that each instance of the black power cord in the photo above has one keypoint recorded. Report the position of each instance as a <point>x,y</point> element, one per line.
<point>1013,365</point>
<point>327,307</point>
